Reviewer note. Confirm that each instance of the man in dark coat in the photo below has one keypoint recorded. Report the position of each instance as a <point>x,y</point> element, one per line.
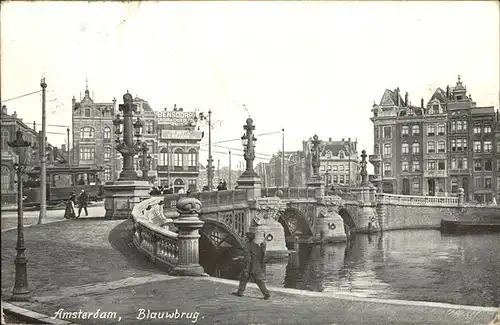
<point>82,203</point>
<point>254,266</point>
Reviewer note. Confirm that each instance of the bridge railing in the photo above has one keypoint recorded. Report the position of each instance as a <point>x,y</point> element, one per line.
<point>416,200</point>
<point>290,192</point>
<point>207,199</point>
<point>150,236</point>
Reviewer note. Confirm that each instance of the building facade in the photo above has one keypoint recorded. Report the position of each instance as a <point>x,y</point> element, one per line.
<point>178,149</point>
<point>435,149</point>
<point>10,124</point>
<point>339,163</point>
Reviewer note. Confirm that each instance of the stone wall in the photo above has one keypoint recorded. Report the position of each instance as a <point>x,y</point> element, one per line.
<point>481,213</point>
<point>392,216</point>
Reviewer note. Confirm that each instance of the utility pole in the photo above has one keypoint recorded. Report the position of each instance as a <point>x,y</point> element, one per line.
<point>69,158</point>
<point>43,160</point>
<point>168,164</point>
<point>230,172</point>
<point>210,160</point>
<point>218,170</point>
<point>283,158</point>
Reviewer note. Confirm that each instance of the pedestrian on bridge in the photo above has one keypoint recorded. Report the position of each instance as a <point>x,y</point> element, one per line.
<point>254,266</point>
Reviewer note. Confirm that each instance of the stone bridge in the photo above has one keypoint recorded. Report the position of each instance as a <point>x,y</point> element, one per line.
<point>288,215</point>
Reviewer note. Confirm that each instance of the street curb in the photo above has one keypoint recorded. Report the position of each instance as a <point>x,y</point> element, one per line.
<point>28,226</point>
<point>31,315</point>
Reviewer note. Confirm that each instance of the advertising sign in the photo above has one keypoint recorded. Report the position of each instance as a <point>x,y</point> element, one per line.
<point>181,135</point>
<point>175,117</point>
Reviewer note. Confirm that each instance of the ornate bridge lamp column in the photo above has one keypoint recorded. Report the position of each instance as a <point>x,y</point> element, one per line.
<point>315,180</point>
<point>249,180</point>
<point>22,149</point>
<point>145,161</point>
<point>123,194</point>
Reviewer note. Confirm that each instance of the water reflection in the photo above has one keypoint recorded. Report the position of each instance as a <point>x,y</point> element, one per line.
<point>414,265</point>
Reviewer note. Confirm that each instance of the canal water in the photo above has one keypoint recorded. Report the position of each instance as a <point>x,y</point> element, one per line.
<point>422,265</point>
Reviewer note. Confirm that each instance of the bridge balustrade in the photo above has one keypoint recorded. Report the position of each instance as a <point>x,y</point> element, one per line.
<point>289,192</point>
<point>161,244</point>
<point>416,200</point>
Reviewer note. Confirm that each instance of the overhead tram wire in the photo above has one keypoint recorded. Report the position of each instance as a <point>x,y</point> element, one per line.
<point>222,147</point>
<point>21,96</point>
<point>239,139</point>
<point>235,154</point>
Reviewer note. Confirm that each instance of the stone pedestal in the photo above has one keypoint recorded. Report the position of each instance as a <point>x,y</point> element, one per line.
<point>188,224</point>
<point>275,238</point>
<point>319,186</point>
<point>122,196</point>
<point>329,227</point>
<point>251,182</point>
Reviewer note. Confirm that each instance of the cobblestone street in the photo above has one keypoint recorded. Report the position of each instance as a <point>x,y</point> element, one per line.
<point>89,264</point>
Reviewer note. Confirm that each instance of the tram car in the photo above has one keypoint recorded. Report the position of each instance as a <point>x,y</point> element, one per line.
<point>61,181</point>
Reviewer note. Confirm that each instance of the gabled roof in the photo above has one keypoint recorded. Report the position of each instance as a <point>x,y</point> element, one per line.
<point>390,99</point>
<point>145,104</point>
<point>439,94</point>
<point>335,147</point>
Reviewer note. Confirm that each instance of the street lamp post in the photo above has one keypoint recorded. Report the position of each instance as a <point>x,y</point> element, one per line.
<point>143,149</point>
<point>43,159</point>
<point>249,180</point>
<point>210,168</point>
<point>21,148</point>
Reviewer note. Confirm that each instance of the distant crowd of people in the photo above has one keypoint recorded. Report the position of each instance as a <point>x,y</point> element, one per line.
<point>157,190</point>
<point>221,187</point>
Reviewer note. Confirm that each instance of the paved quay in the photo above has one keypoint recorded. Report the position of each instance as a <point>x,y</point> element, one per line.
<point>89,265</point>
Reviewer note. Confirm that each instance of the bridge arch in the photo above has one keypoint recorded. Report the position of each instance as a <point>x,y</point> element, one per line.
<point>347,218</point>
<point>218,245</point>
<point>294,221</point>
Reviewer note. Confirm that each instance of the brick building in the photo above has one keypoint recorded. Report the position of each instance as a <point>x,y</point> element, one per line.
<point>435,149</point>
<point>339,162</point>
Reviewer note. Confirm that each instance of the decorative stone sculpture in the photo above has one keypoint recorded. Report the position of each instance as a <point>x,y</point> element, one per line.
<point>188,224</point>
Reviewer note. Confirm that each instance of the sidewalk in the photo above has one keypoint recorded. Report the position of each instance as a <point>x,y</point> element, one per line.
<point>89,265</point>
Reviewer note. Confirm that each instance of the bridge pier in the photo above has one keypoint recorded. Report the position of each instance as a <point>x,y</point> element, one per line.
<point>328,226</point>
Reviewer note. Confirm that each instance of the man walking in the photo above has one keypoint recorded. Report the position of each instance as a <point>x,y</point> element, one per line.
<point>254,266</point>
<point>82,203</point>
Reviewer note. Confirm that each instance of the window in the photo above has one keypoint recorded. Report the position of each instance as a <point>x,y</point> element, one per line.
<point>87,153</point>
<point>431,130</point>
<point>431,165</point>
<point>498,145</point>
<point>459,163</point>
<point>478,182</point>
<point>163,157</point>
<point>404,148</point>
<point>477,129</point>
<point>477,146</point>
<point>341,154</point>
<point>148,127</point>
<point>498,165</point>
<point>335,168</point>
<point>341,168</point>
<point>387,132</point>
<point>498,183</point>
<point>192,184</point>
<point>431,146</point>
<point>387,149</point>
<point>416,147</point>
<point>107,173</point>
<point>5,178</point>
<point>464,125</point>
<point>192,158</point>
<point>107,133</point>
<point>488,166</point>
<point>453,126</point>
<point>405,166</point>
<point>487,182</point>
<point>178,158</point>
<point>487,146</point>
<point>416,186</point>
<point>441,129</point>
<point>416,166</point>
<point>107,153</point>
<point>435,108</point>
<point>441,146</point>
<point>415,130</point>
<point>5,139</point>
<point>87,112</point>
<point>454,185</point>
<point>441,165</point>
<point>477,165</point>
<point>335,178</point>
<point>453,144</point>
<point>487,129</point>
<point>376,149</point>
<point>404,130</point>
<point>377,132</point>
<point>387,169</point>
<point>328,167</point>
<point>341,179</point>
<point>441,184</point>
<point>87,132</point>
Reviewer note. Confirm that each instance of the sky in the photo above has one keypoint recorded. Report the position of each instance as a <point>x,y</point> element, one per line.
<point>308,67</point>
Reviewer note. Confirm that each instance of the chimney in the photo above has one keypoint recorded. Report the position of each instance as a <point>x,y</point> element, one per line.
<point>448,92</point>
<point>175,107</point>
<point>34,126</point>
<point>398,102</point>
<point>14,115</point>
<point>4,109</point>
<point>330,139</point>
<point>406,99</point>
<point>421,103</point>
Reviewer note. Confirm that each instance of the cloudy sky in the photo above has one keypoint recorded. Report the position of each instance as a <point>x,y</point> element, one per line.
<point>307,67</point>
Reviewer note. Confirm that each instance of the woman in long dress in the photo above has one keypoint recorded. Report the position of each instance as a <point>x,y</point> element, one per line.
<point>70,213</point>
